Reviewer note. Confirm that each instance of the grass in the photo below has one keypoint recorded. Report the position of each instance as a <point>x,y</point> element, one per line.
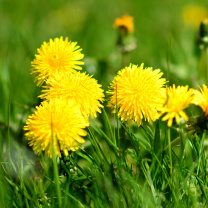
<point>120,165</point>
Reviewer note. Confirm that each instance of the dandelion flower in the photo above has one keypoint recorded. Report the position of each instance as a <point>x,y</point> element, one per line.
<point>125,22</point>
<point>53,121</point>
<point>201,99</point>
<point>138,93</point>
<point>178,98</point>
<point>193,14</point>
<point>78,88</point>
<point>55,56</point>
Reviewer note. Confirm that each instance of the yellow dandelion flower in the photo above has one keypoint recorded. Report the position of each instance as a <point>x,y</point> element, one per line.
<point>201,99</point>
<point>78,88</point>
<point>126,21</point>
<point>54,120</point>
<point>178,98</point>
<point>55,56</point>
<point>193,14</point>
<point>138,93</point>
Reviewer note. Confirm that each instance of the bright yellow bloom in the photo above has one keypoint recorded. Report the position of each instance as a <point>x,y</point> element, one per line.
<point>78,88</point>
<point>201,99</point>
<point>55,56</point>
<point>55,121</point>
<point>193,14</point>
<point>178,98</point>
<point>138,93</point>
<point>126,22</point>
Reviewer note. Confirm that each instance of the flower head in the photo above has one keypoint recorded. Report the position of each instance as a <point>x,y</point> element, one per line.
<point>193,14</point>
<point>55,56</point>
<point>201,99</point>
<point>125,22</point>
<point>53,121</point>
<point>138,93</point>
<point>77,88</point>
<point>178,98</point>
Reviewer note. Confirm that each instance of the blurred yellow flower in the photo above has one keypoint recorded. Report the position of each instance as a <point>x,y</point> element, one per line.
<point>55,56</point>
<point>55,121</point>
<point>178,98</point>
<point>78,88</point>
<point>138,93</point>
<point>126,21</point>
<point>201,99</point>
<point>194,14</point>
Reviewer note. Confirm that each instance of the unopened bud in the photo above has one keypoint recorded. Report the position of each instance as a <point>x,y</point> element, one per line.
<point>125,42</point>
<point>203,32</point>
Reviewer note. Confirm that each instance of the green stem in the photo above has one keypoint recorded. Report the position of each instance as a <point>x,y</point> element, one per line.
<point>170,153</point>
<point>174,142</point>
<point>118,135</point>
<point>182,144</point>
<point>55,168</point>
<point>206,51</point>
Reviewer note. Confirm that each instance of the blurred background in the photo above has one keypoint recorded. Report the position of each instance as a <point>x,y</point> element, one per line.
<point>165,32</point>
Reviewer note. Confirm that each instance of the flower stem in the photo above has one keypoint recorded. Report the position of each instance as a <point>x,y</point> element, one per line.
<point>170,153</point>
<point>206,51</point>
<point>55,168</point>
<point>56,176</point>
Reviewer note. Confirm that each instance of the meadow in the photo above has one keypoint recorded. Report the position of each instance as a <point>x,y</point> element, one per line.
<point>126,151</point>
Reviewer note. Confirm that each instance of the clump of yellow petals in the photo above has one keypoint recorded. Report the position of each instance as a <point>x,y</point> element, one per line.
<point>54,121</point>
<point>193,14</point>
<point>137,93</point>
<point>126,21</point>
<point>178,98</point>
<point>77,88</point>
<point>201,99</point>
<point>55,56</point>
